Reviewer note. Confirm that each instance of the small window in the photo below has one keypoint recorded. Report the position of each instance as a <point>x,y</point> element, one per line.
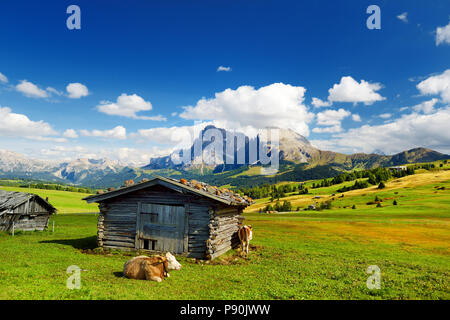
<point>153,217</point>
<point>150,244</point>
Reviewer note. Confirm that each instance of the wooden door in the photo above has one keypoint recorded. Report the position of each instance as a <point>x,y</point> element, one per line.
<point>161,228</point>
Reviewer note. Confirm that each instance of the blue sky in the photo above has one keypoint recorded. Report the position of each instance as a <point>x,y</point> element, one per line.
<point>391,89</point>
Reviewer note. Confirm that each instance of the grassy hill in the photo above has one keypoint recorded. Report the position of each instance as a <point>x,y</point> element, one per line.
<point>396,189</point>
<point>63,201</point>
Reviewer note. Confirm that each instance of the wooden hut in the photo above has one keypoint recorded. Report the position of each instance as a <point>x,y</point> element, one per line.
<point>161,214</point>
<point>28,212</point>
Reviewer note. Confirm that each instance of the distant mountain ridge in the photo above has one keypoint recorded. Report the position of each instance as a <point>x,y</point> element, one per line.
<point>87,172</point>
<point>299,159</point>
<point>295,148</point>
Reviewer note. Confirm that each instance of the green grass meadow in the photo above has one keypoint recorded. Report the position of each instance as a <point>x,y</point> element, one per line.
<point>64,201</point>
<point>301,255</point>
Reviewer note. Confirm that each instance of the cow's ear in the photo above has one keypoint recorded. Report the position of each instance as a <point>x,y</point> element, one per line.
<point>250,227</point>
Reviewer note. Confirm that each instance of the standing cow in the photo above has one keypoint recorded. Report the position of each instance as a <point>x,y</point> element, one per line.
<point>245,235</point>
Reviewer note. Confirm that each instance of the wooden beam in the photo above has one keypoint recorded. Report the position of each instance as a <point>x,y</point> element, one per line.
<point>138,224</point>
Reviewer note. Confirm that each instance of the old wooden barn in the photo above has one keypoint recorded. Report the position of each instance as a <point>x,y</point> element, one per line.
<point>26,211</point>
<point>183,217</point>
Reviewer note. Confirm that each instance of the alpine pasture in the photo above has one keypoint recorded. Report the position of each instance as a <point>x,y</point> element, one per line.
<point>296,255</point>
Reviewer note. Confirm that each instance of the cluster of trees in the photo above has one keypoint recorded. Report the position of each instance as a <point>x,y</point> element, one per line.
<point>375,176</point>
<point>302,189</point>
<point>36,184</point>
<point>56,187</point>
<point>285,207</point>
<point>409,171</point>
<point>258,192</point>
<point>324,205</point>
<point>287,172</point>
<point>272,191</point>
<point>267,190</point>
<point>359,184</point>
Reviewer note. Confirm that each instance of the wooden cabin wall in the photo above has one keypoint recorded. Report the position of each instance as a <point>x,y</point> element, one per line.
<point>30,207</point>
<point>117,225</point>
<point>30,223</point>
<point>223,229</point>
<point>28,216</point>
<point>198,228</point>
<point>117,219</point>
<point>6,221</point>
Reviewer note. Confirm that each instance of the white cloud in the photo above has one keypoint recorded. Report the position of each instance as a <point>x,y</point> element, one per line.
<point>123,156</point>
<point>118,132</point>
<point>31,90</point>
<point>349,90</point>
<point>137,157</point>
<point>443,34</point>
<point>403,17</point>
<point>333,129</point>
<point>3,78</point>
<point>332,117</point>
<point>77,90</point>
<point>54,91</point>
<point>317,103</point>
<point>70,133</point>
<point>356,117</point>
<point>426,107</point>
<point>410,131</point>
<point>403,109</point>
<point>51,139</point>
<point>128,106</point>
<point>276,105</point>
<point>182,136</point>
<point>19,125</point>
<point>222,68</point>
<point>437,85</point>
<point>385,115</point>
<point>324,144</point>
<point>63,151</point>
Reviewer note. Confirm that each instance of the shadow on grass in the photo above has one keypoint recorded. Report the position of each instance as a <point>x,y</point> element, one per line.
<point>119,274</point>
<point>80,243</point>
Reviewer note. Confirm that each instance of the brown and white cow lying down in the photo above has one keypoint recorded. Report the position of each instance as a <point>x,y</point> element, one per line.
<point>245,235</point>
<point>154,268</point>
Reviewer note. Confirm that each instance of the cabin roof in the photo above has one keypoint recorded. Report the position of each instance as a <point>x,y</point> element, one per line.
<point>230,198</point>
<point>10,200</point>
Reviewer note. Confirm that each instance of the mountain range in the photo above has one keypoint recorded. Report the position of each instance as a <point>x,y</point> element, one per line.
<point>299,160</point>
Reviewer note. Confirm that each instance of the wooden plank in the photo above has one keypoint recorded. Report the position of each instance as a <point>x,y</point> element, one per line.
<point>118,244</point>
<point>111,246</point>
<point>138,219</point>
<point>120,239</point>
<point>181,229</point>
<point>186,228</point>
<point>196,255</point>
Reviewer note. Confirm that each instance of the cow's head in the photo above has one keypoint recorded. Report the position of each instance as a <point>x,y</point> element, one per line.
<point>173,263</point>
<point>250,235</point>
